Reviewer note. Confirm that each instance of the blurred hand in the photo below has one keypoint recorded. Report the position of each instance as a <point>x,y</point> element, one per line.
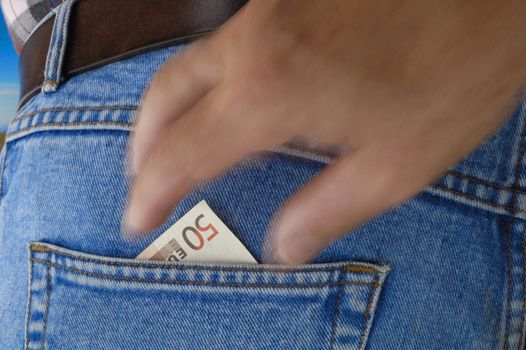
<point>411,86</point>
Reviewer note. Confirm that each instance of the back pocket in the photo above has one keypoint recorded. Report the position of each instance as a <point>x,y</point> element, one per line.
<point>82,301</point>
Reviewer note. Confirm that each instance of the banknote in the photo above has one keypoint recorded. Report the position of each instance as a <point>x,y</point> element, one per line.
<point>199,236</point>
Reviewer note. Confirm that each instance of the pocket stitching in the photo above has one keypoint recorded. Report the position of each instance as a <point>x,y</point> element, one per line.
<point>30,300</point>
<point>37,127</point>
<point>337,311</point>
<point>46,310</point>
<point>353,268</point>
<point>368,313</point>
<point>220,284</point>
<point>74,109</point>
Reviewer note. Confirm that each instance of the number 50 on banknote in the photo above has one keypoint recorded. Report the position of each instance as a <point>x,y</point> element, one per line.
<point>199,236</point>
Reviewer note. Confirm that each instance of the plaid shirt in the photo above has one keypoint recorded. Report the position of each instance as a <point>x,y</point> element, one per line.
<point>22,16</point>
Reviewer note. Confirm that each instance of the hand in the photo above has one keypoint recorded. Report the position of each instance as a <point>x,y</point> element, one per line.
<point>411,86</point>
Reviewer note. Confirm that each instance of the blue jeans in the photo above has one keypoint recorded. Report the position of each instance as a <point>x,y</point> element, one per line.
<point>444,270</point>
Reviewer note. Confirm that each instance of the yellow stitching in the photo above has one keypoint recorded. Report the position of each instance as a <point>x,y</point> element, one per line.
<point>51,82</point>
<point>39,248</point>
<point>360,268</point>
<point>36,247</point>
<point>221,284</point>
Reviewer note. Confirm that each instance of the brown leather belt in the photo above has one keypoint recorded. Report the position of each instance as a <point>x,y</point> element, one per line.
<point>102,31</point>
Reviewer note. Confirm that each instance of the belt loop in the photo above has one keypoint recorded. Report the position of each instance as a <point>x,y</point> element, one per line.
<point>57,47</point>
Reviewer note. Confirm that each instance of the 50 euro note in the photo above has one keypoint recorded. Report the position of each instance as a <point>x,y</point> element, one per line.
<point>199,236</point>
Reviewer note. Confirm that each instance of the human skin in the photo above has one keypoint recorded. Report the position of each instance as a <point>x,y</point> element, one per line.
<point>409,86</point>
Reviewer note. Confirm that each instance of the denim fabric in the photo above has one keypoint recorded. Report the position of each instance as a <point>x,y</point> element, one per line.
<point>162,306</point>
<point>444,270</point>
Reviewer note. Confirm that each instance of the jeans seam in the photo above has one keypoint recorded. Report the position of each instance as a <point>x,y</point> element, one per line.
<point>316,152</point>
<point>522,330</point>
<point>2,170</point>
<point>73,109</point>
<point>337,310</point>
<point>510,286</point>
<point>291,146</point>
<point>215,268</point>
<point>368,311</point>
<point>509,297</point>
<point>220,284</point>
<point>484,182</point>
<point>43,126</point>
<point>46,310</point>
<point>30,300</point>
<point>484,201</point>
<point>450,172</point>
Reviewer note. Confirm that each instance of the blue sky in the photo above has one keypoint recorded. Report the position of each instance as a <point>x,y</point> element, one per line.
<point>8,76</point>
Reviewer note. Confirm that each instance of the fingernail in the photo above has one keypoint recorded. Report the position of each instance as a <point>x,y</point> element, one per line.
<point>126,232</point>
<point>295,248</point>
<point>132,220</point>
